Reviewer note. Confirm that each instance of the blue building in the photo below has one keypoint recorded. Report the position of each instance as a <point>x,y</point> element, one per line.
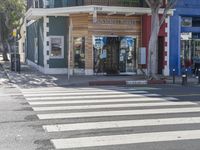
<point>185,37</point>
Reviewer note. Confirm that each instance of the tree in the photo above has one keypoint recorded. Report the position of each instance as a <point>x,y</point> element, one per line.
<point>11,11</point>
<point>156,23</point>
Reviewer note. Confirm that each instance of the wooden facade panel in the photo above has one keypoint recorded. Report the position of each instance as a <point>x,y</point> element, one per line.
<point>83,26</point>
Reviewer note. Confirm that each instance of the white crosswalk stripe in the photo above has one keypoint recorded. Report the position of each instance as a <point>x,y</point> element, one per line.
<point>117,99</point>
<point>90,104</point>
<point>116,113</point>
<point>88,96</point>
<point>111,106</point>
<point>119,124</point>
<point>125,139</point>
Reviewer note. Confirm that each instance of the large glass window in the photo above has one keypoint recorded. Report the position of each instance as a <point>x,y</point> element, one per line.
<point>114,55</point>
<point>190,54</point>
<point>57,47</point>
<point>196,21</point>
<point>79,52</point>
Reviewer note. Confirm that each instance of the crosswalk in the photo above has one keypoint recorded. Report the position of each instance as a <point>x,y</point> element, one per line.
<point>111,110</point>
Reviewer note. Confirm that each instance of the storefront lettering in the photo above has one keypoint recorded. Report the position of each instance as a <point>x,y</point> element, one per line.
<point>117,21</point>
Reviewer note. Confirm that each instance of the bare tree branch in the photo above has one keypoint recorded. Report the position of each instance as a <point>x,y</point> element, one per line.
<point>148,3</point>
<point>169,6</point>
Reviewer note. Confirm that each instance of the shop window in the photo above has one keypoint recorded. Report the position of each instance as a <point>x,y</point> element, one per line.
<point>186,21</point>
<point>79,52</point>
<point>196,21</point>
<point>57,47</point>
<point>113,55</point>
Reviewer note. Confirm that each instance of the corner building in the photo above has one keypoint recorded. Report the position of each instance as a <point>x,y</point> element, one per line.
<point>92,37</point>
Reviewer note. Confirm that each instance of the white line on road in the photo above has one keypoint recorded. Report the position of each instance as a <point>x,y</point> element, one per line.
<point>125,139</point>
<point>117,113</point>
<point>117,100</point>
<point>90,96</point>
<point>82,93</point>
<point>75,89</point>
<point>119,124</point>
<point>112,106</point>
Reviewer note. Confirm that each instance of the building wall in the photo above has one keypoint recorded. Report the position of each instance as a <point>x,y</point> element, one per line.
<point>146,33</point>
<point>183,8</point>
<point>35,30</point>
<point>58,26</point>
<point>30,4</point>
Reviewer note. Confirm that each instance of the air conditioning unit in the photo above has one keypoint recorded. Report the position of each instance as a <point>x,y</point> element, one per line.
<point>142,56</point>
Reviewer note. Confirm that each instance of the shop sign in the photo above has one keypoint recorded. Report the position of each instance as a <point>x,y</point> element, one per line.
<point>117,21</point>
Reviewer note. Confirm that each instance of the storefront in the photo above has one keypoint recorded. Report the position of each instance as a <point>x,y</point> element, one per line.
<point>190,53</point>
<point>107,46</point>
<point>185,38</point>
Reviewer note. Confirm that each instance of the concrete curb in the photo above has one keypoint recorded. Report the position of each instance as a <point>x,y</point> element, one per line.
<point>137,82</point>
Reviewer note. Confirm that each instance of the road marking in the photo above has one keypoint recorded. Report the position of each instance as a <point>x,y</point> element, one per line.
<point>117,113</point>
<point>117,100</point>
<point>125,139</point>
<point>74,89</point>
<point>119,124</point>
<point>90,96</point>
<point>185,95</point>
<point>88,93</point>
<point>112,106</point>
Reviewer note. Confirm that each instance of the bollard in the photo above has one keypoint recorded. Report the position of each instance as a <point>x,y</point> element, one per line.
<point>186,73</point>
<point>184,79</point>
<point>199,75</point>
<point>174,76</point>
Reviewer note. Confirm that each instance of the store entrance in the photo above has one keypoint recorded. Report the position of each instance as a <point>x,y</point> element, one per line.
<point>114,55</point>
<point>190,55</point>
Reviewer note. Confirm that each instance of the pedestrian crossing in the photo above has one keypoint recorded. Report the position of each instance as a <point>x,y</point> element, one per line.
<point>111,110</point>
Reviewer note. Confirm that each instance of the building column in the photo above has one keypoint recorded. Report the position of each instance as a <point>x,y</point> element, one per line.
<point>167,43</point>
<point>46,44</point>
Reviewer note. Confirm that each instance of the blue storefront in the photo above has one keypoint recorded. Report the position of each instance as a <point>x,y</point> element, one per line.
<point>185,37</point>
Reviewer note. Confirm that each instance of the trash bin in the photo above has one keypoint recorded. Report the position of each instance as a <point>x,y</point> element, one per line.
<point>15,62</point>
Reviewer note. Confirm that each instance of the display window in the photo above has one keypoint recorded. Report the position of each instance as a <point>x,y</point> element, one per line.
<point>114,55</point>
<point>56,47</point>
<point>79,52</point>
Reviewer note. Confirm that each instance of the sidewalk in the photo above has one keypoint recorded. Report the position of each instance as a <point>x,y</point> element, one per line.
<point>30,77</point>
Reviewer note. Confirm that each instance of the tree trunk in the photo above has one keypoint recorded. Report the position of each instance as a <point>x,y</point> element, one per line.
<point>152,48</point>
<point>5,51</point>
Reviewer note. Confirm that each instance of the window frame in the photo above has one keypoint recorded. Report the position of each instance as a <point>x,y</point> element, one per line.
<point>38,4</point>
<point>62,47</point>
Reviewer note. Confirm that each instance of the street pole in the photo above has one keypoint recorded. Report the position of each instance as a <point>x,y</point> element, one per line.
<point>15,50</point>
<point>69,48</point>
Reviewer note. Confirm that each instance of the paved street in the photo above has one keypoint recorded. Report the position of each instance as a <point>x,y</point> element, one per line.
<point>116,118</point>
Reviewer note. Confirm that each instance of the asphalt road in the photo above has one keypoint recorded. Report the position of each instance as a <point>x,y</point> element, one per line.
<point>164,117</point>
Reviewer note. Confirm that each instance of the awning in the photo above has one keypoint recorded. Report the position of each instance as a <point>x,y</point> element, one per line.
<point>35,13</point>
